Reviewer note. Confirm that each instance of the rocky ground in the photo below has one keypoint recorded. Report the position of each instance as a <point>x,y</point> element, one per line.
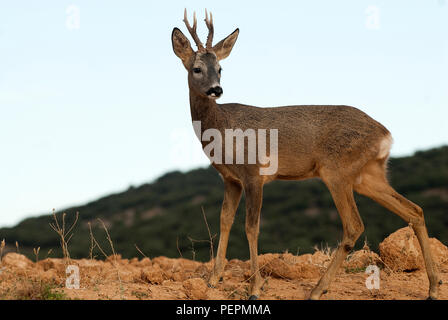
<point>402,275</point>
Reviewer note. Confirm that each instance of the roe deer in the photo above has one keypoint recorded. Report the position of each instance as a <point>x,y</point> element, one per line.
<point>341,145</point>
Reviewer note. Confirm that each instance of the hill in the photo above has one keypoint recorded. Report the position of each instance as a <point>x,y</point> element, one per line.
<point>165,217</point>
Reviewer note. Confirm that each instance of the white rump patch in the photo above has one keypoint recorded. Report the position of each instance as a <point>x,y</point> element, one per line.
<point>385,146</point>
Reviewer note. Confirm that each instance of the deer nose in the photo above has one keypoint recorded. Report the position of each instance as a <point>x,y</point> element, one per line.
<point>215,91</point>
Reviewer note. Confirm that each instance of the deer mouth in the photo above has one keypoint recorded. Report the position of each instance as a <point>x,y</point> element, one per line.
<point>214,93</point>
<point>213,96</point>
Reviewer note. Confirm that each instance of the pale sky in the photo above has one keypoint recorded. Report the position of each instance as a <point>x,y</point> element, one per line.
<point>93,100</point>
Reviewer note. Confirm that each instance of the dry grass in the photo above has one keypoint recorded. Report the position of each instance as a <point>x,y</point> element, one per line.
<point>209,240</point>
<point>2,247</point>
<point>30,289</point>
<point>36,253</point>
<point>114,255</point>
<point>65,234</point>
<point>140,251</point>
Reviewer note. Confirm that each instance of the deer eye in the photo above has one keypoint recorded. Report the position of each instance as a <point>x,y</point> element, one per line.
<point>219,71</point>
<point>197,70</point>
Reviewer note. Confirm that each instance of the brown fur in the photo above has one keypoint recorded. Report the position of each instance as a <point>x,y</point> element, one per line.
<point>342,145</point>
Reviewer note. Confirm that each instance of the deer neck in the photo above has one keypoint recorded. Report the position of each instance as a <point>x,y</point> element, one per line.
<point>206,111</point>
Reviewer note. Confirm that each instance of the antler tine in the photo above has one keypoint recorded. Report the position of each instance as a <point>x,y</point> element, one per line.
<point>209,23</point>
<point>192,31</point>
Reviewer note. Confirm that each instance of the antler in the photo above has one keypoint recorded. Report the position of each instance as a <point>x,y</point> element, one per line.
<point>209,23</point>
<point>193,30</point>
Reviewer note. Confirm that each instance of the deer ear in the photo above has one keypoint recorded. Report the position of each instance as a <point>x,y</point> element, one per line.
<point>223,48</point>
<point>181,46</point>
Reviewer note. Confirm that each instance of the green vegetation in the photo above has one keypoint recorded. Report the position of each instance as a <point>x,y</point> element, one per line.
<point>165,217</point>
<point>50,292</point>
<point>31,289</point>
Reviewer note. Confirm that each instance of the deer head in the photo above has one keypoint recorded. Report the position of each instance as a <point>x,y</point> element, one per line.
<point>204,71</point>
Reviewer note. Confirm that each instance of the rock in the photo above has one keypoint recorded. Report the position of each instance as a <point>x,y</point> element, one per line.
<point>175,265</point>
<point>153,275</point>
<point>308,271</point>
<point>53,264</point>
<point>178,276</point>
<point>440,252</point>
<point>321,259</point>
<point>305,258</point>
<point>287,266</point>
<point>401,251</point>
<point>237,268</point>
<point>15,260</point>
<point>114,258</point>
<point>279,268</point>
<point>195,288</point>
<point>50,276</point>
<point>145,262</point>
<point>126,275</point>
<point>318,258</point>
<point>361,259</point>
<point>265,259</point>
<point>90,265</point>
<point>202,271</point>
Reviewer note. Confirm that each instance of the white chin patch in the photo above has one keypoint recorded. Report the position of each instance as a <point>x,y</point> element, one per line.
<point>212,96</point>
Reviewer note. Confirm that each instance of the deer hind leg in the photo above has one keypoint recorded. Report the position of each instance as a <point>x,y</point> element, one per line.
<point>232,196</point>
<point>342,193</point>
<point>254,195</point>
<point>375,186</point>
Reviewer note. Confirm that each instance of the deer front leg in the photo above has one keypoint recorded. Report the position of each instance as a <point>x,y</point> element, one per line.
<point>232,196</point>
<point>353,227</point>
<point>254,196</point>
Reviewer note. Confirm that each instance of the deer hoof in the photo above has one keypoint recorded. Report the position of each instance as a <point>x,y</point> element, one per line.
<point>253,297</point>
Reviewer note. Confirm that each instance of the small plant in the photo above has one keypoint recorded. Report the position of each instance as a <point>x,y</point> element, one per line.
<point>36,253</point>
<point>64,234</point>
<point>2,246</point>
<point>141,252</point>
<point>210,240</point>
<point>38,290</point>
<point>49,293</point>
<point>94,243</point>
<point>212,255</point>
<point>326,250</point>
<point>140,294</point>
